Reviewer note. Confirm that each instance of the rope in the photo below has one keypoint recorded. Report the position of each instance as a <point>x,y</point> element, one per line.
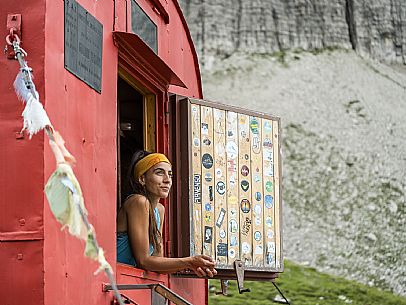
<point>14,40</point>
<point>277,288</point>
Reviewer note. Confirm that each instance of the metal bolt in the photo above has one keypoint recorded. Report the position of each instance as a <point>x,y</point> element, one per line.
<point>20,256</point>
<point>22,222</point>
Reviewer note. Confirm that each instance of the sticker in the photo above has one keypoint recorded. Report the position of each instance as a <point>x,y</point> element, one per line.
<point>230,133</point>
<point>232,181</point>
<point>257,235</point>
<point>231,253</point>
<point>207,207</point>
<point>269,186</point>
<point>258,249</point>
<point>205,128</point>
<point>222,249</point>
<point>196,189</point>
<point>221,187</point>
<point>206,141</point>
<point>232,150</point>
<point>196,142</point>
<point>245,206</point>
<point>267,126</point>
<point>222,233</point>
<point>210,193</point>
<point>221,218</point>
<point>242,120</point>
<point>268,221</point>
<point>268,155</point>
<point>194,109</point>
<point>208,177</point>
<point>254,125</point>
<point>271,246</point>
<point>245,185</point>
<point>245,248</point>
<point>231,166</point>
<point>207,161</point>
<point>246,156</point>
<point>233,241</point>
<point>258,209</point>
<point>256,145</point>
<point>269,171</point>
<point>258,196</point>
<point>267,143</point>
<point>245,170</point>
<point>208,234</point>
<point>269,258</point>
<point>233,212</point>
<point>207,218</point>
<point>257,178</point>
<point>243,134</point>
<point>269,201</point>
<point>246,226</point>
<point>233,226</point>
<point>269,233</point>
<point>258,220</point>
<point>218,172</point>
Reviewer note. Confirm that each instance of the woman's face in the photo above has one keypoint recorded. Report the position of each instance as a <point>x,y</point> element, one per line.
<point>158,180</point>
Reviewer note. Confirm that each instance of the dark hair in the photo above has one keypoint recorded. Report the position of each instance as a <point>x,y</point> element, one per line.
<point>137,188</point>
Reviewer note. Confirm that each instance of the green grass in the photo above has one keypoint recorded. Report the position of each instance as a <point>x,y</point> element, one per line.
<point>305,286</point>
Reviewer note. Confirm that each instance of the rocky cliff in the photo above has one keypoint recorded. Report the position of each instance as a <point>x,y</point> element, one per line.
<point>344,132</point>
<point>374,28</point>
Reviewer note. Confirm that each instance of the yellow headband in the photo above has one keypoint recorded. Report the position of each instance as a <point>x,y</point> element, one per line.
<point>147,162</point>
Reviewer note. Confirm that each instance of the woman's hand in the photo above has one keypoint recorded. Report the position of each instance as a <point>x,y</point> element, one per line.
<point>202,265</point>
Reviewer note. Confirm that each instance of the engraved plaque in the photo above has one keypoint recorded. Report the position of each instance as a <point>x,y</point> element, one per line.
<point>83,44</point>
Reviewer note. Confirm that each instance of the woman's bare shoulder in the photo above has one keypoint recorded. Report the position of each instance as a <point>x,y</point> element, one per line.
<point>161,208</point>
<point>136,201</point>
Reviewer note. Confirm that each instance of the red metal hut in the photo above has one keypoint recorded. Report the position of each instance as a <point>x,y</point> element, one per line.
<point>112,76</point>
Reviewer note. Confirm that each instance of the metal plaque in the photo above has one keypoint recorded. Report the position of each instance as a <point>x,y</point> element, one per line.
<point>83,44</point>
<point>143,26</point>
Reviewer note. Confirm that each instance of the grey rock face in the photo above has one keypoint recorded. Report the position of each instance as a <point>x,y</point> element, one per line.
<point>375,28</point>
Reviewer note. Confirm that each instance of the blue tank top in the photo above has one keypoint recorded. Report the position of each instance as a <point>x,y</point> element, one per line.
<point>124,253</point>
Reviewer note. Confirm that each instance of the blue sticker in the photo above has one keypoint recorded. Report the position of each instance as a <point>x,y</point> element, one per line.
<point>207,161</point>
<point>207,207</point>
<point>268,201</point>
<point>233,241</point>
<point>258,196</point>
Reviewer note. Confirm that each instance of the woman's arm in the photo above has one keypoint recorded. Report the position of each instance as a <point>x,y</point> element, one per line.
<point>138,220</point>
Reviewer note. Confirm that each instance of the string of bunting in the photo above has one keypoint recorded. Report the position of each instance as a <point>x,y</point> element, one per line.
<point>62,189</point>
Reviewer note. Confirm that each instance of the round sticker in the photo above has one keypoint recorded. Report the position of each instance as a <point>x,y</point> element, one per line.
<point>196,142</point>
<point>233,226</point>
<point>268,186</point>
<point>222,233</point>
<point>194,109</point>
<point>269,221</point>
<point>232,150</point>
<point>257,235</point>
<point>245,170</point>
<point>269,233</point>
<point>208,177</point>
<point>221,187</point>
<point>245,247</point>
<point>245,206</point>
<point>231,253</point>
<point>254,125</point>
<point>207,161</point>
<point>206,141</point>
<point>246,156</point>
<point>207,207</point>
<point>257,209</point>
<point>258,196</point>
<point>219,173</point>
<point>245,185</point>
<point>268,201</point>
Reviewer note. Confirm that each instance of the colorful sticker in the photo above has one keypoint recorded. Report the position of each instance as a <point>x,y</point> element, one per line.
<point>231,166</point>
<point>271,246</point>
<point>246,226</point>
<point>254,125</point>
<point>207,207</point>
<point>196,142</point>
<point>257,178</point>
<point>205,128</point>
<point>245,170</point>
<point>208,234</point>
<point>207,218</point>
<point>207,161</point>
<point>196,189</point>
<point>219,173</point>
<point>268,155</point>
<point>258,249</point>
<point>267,143</point>
<point>270,233</point>
<point>267,126</point>
<point>222,249</point>
<point>268,186</point>
<point>269,221</point>
<point>222,233</point>
<point>233,241</point>
<point>245,205</point>
<point>233,226</point>
<point>231,253</point>
<point>232,200</point>
<point>220,218</point>
<point>206,142</point>
<point>258,221</point>
<point>221,187</point>
<point>269,201</point>
<point>257,235</point>
<point>258,196</point>
<point>269,258</point>
<point>245,185</point>
<point>258,209</point>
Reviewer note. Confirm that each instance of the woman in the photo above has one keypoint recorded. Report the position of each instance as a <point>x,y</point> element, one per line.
<point>140,220</point>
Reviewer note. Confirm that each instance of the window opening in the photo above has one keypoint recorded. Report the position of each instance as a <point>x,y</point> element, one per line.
<point>143,26</point>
